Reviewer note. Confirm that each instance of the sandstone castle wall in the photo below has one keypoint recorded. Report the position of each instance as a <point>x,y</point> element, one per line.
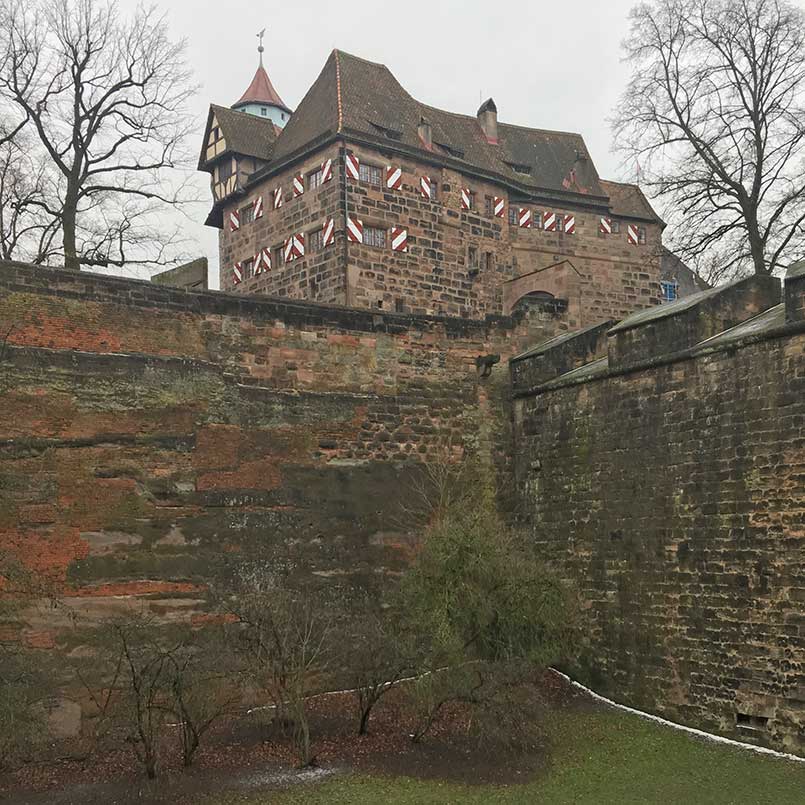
<point>598,275</point>
<point>668,481</point>
<point>150,435</point>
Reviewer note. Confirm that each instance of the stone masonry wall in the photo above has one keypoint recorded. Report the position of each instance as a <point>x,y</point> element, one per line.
<point>150,434</point>
<point>609,278</point>
<point>673,495</point>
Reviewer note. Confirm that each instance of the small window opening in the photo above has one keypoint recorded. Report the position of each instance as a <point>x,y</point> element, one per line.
<point>315,179</point>
<point>399,307</point>
<point>472,260</point>
<point>247,214</point>
<point>380,303</point>
<point>371,174</point>
<point>669,290</point>
<point>314,240</point>
<point>263,111</point>
<point>745,721</point>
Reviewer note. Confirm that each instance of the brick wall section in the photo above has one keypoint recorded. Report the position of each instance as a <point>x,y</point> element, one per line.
<point>149,433</point>
<point>673,496</point>
<point>611,278</point>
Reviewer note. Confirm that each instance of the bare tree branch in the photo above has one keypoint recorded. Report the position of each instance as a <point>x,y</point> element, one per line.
<point>107,98</point>
<point>714,117</point>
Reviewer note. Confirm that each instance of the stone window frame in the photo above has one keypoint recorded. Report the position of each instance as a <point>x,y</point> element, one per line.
<point>315,179</point>
<point>277,256</point>
<point>473,259</point>
<point>314,240</point>
<point>642,235</point>
<point>616,226</point>
<point>247,214</point>
<point>367,173</point>
<point>247,268</point>
<point>489,206</point>
<point>488,261</point>
<point>377,239</point>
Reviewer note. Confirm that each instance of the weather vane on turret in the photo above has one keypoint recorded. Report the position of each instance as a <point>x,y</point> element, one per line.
<point>260,47</point>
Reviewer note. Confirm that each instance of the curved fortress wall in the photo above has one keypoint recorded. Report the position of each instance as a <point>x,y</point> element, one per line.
<point>661,464</point>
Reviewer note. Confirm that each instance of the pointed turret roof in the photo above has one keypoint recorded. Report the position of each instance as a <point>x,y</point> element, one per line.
<point>261,90</point>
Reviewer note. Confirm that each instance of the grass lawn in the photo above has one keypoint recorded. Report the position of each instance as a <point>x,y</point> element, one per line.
<point>596,756</point>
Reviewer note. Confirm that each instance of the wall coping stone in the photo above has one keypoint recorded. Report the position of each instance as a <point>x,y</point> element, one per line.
<point>557,356</point>
<point>683,324</point>
<point>767,326</point>
<point>92,287</point>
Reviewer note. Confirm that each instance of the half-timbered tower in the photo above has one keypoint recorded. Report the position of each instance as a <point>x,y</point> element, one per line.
<point>369,197</point>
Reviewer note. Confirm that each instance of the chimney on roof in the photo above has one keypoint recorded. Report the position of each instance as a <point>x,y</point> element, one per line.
<point>488,120</point>
<point>425,132</point>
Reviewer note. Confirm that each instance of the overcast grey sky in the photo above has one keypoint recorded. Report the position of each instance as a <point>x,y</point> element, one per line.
<point>551,65</point>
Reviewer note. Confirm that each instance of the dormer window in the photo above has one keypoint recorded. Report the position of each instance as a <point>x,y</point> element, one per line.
<point>520,168</point>
<point>450,150</point>
<point>391,134</point>
<point>263,111</point>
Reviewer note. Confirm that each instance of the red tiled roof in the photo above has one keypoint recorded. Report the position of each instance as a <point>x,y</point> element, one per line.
<point>261,90</point>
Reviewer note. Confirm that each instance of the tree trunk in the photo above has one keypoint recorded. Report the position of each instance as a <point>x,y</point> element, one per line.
<point>364,726</point>
<point>68,231</point>
<point>756,246</point>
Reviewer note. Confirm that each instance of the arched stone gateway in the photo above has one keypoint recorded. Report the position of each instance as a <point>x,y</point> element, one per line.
<point>561,281</point>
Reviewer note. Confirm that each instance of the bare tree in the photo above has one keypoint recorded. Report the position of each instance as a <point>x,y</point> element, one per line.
<point>107,98</point>
<point>283,635</point>
<point>28,227</point>
<point>713,119</point>
<point>378,656</point>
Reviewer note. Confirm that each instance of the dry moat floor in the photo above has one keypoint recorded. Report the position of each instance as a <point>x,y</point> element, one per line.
<point>586,753</point>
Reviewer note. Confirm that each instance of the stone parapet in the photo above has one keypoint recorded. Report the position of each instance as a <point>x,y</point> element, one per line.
<point>672,328</point>
<point>795,292</point>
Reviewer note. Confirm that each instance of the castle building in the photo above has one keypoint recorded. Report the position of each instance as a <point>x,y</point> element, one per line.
<point>365,196</point>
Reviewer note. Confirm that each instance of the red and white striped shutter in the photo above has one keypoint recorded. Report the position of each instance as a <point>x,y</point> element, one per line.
<point>326,170</point>
<point>399,239</point>
<point>570,224</point>
<point>605,225</point>
<point>234,221</point>
<point>328,233</point>
<point>354,230</point>
<point>287,250</point>
<point>298,185</point>
<point>353,167</point>
<point>631,234</point>
<point>426,187</point>
<point>265,258</point>
<point>524,217</point>
<point>277,197</point>
<point>466,199</point>
<point>258,264</point>
<point>258,207</point>
<point>393,177</point>
<point>500,205</point>
<point>237,273</point>
<point>299,245</point>
<point>549,221</point>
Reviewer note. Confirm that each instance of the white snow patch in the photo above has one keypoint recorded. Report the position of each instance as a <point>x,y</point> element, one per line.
<point>690,730</point>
